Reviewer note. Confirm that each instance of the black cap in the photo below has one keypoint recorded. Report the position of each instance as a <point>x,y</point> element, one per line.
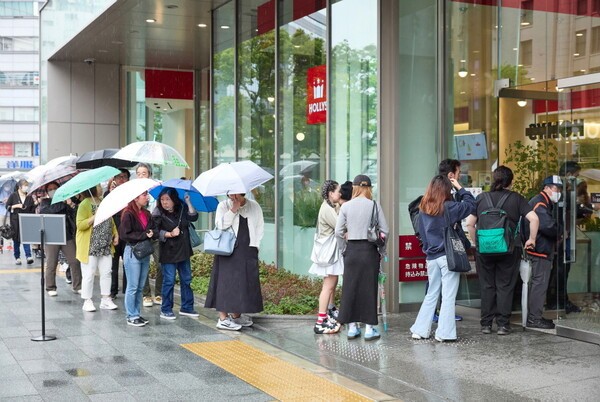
<point>362,180</point>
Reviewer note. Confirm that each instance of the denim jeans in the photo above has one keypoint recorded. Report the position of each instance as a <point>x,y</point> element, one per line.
<point>440,278</point>
<point>17,249</point>
<point>185,279</point>
<point>136,271</point>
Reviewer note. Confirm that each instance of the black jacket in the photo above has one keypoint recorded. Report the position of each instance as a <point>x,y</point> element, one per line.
<point>548,231</point>
<point>131,230</point>
<point>61,208</point>
<point>174,249</point>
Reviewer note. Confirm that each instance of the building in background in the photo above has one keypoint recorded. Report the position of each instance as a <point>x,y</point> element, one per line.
<point>19,85</point>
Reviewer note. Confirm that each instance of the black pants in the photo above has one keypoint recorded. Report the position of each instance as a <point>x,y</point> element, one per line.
<point>114,286</point>
<point>497,277</point>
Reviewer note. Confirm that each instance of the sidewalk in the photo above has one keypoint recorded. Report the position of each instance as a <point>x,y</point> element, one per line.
<point>96,356</point>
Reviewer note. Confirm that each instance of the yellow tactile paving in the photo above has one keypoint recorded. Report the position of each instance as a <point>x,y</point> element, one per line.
<point>20,271</point>
<point>280,379</point>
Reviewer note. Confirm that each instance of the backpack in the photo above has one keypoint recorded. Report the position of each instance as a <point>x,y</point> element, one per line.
<point>496,233</point>
<point>413,211</point>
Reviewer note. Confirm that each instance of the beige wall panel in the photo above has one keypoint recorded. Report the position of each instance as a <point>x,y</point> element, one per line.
<point>59,92</point>
<point>107,94</point>
<point>60,143</point>
<point>82,139</point>
<point>106,136</point>
<point>82,92</point>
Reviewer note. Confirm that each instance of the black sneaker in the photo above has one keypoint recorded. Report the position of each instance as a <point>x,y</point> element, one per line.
<point>486,329</point>
<point>333,313</point>
<point>144,320</point>
<point>327,327</point>
<point>505,330</point>
<point>137,322</point>
<point>572,308</point>
<point>541,324</point>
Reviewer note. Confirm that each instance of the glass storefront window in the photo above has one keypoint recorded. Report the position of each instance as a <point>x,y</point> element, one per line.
<point>302,129</point>
<point>354,81</point>
<point>19,44</point>
<point>224,84</point>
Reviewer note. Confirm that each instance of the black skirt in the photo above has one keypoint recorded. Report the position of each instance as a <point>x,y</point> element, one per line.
<point>234,283</point>
<point>359,290</point>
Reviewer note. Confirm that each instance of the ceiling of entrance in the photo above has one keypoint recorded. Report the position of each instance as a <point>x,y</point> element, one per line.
<point>122,35</point>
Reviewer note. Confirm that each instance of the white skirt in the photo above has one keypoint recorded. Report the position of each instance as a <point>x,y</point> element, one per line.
<point>337,268</point>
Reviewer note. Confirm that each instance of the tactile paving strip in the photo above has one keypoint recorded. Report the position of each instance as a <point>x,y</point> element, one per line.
<point>20,271</point>
<point>277,378</point>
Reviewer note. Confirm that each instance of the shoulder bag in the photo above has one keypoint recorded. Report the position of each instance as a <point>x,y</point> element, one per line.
<point>195,240</point>
<point>373,232</point>
<point>456,254</point>
<point>325,250</point>
<point>6,230</point>
<point>142,249</point>
<point>219,242</point>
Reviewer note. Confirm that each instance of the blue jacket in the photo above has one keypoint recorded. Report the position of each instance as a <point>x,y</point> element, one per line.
<point>432,228</point>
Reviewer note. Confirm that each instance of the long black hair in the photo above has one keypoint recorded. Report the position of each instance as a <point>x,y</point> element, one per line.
<point>172,193</point>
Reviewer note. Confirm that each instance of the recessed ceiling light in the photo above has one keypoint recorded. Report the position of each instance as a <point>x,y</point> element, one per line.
<point>579,34</point>
<point>224,26</point>
<point>472,74</point>
<point>524,23</point>
<point>202,25</point>
<point>151,20</point>
<point>575,54</point>
<point>532,79</point>
<point>582,70</point>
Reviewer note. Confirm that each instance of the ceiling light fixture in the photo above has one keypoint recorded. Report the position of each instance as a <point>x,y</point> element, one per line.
<point>224,26</point>
<point>522,102</point>
<point>151,20</point>
<point>202,25</point>
<point>462,73</point>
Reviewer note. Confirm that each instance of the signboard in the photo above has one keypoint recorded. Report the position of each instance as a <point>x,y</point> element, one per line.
<point>6,149</point>
<point>316,95</point>
<point>412,265</point>
<point>30,226</point>
<point>23,149</point>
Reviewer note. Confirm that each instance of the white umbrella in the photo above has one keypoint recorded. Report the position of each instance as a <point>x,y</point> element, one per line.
<point>152,152</point>
<point>231,178</point>
<point>118,198</point>
<point>68,160</point>
<point>14,176</point>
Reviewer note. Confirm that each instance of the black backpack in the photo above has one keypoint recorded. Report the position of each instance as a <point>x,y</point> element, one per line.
<point>413,211</point>
<point>496,233</point>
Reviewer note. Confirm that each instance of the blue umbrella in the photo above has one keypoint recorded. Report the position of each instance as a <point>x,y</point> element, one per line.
<point>200,202</point>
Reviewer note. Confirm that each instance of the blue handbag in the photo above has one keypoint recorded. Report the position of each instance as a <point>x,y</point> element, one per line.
<point>219,242</point>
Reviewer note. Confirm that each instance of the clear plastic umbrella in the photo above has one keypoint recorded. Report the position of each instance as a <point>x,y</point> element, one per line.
<point>59,174</point>
<point>152,152</point>
<point>525,271</point>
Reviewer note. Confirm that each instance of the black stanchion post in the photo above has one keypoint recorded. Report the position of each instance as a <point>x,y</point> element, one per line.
<point>44,337</point>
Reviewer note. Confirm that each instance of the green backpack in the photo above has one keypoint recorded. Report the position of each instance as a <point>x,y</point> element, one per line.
<point>496,233</point>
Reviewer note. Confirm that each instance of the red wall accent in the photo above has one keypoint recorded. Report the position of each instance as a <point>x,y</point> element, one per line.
<point>302,8</point>
<point>590,98</point>
<point>266,17</point>
<point>169,84</point>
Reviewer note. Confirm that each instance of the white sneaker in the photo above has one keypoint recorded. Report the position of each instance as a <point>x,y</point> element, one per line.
<point>148,302</point>
<point>158,300</point>
<point>88,305</point>
<point>52,293</point>
<point>242,320</point>
<point>227,323</point>
<point>107,304</point>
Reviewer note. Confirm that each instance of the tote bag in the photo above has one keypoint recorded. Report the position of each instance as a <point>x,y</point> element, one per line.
<point>195,240</point>
<point>219,242</point>
<point>325,250</point>
<point>456,255</point>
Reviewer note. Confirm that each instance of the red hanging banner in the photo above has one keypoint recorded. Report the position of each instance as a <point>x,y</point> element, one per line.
<point>316,95</point>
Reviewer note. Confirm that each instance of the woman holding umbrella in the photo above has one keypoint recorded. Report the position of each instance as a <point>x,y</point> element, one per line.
<point>135,226</point>
<point>95,246</point>
<point>234,283</point>
<point>20,203</point>
<point>172,221</point>
<point>5,191</point>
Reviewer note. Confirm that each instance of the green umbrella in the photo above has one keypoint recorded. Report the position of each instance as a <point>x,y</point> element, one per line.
<point>84,181</point>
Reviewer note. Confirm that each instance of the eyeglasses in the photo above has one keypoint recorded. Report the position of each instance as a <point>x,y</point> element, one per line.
<point>122,177</point>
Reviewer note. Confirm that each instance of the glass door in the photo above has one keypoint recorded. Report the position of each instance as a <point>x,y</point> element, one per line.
<point>574,290</point>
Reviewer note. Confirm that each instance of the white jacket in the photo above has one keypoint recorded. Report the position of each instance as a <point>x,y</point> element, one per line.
<point>224,219</point>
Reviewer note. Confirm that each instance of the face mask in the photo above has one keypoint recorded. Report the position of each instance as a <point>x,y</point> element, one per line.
<point>51,193</point>
<point>25,189</point>
<point>555,197</point>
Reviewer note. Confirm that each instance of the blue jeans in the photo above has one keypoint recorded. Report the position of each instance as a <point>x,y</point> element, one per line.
<point>17,249</point>
<point>136,272</point>
<point>439,278</point>
<point>185,279</point>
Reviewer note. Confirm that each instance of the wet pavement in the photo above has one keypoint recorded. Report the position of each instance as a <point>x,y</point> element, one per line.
<point>96,356</point>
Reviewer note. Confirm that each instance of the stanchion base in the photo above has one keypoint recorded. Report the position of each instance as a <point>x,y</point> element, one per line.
<point>44,338</point>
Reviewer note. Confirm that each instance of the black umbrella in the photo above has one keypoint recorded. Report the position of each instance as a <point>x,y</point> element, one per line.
<point>102,157</point>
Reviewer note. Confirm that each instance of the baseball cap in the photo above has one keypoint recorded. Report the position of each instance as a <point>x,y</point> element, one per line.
<point>553,180</point>
<point>362,180</point>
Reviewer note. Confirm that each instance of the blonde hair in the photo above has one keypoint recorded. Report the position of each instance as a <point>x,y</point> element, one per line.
<point>357,191</point>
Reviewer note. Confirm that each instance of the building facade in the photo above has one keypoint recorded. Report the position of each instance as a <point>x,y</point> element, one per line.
<point>19,85</point>
<point>316,89</point>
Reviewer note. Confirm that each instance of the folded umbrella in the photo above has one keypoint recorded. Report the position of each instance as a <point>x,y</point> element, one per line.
<point>231,178</point>
<point>200,202</point>
<point>83,181</point>
<point>118,198</point>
